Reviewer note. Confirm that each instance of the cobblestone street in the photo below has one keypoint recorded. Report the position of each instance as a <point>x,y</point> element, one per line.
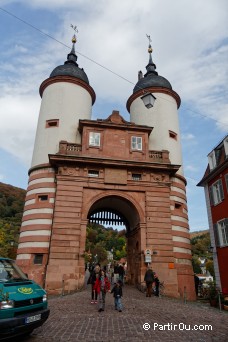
<point>73,318</point>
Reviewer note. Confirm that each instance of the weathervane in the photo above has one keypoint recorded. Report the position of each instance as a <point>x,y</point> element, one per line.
<point>74,28</point>
<point>150,40</point>
<point>74,39</point>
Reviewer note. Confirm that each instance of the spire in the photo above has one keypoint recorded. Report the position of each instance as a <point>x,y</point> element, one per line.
<point>71,57</point>
<point>150,66</point>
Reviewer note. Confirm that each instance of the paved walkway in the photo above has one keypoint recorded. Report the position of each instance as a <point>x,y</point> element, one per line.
<point>74,319</point>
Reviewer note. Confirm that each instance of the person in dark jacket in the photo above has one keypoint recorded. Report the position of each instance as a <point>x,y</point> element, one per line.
<point>118,294</point>
<point>157,284</point>
<point>121,273</point>
<point>92,279</point>
<point>149,279</point>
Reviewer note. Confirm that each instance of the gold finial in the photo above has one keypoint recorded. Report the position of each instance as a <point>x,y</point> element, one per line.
<point>74,39</point>
<point>149,48</point>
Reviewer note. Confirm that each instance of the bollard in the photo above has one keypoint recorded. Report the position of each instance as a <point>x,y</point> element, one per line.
<point>63,285</point>
<point>219,300</point>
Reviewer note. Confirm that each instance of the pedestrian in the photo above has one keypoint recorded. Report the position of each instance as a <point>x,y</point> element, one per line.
<point>102,286</point>
<point>118,294</point>
<point>157,284</point>
<point>149,279</point>
<point>92,279</point>
<point>121,273</point>
<point>111,274</point>
<point>116,274</point>
<point>197,281</point>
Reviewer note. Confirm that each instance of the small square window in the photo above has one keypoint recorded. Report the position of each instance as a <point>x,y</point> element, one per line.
<point>136,176</point>
<point>94,139</point>
<point>52,123</point>
<point>42,198</point>
<point>93,173</point>
<point>173,135</point>
<point>177,205</point>
<point>38,259</point>
<point>136,143</point>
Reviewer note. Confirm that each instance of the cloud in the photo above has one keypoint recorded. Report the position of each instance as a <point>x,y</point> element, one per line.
<point>188,51</point>
<point>191,168</point>
<point>17,130</point>
<point>188,136</point>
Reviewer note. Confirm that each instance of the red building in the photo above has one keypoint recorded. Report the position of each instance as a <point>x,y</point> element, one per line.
<point>215,183</point>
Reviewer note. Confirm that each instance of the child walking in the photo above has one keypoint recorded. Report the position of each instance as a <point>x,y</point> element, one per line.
<point>101,286</point>
<point>118,294</point>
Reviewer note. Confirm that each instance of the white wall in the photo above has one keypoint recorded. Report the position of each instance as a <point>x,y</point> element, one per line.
<point>64,101</point>
<point>164,118</point>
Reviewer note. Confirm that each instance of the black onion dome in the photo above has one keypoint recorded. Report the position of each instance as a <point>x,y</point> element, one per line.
<point>70,67</point>
<point>152,81</point>
<point>151,78</point>
<point>70,70</point>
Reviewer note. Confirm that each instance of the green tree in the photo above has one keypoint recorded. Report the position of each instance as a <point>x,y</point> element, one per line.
<point>196,264</point>
<point>210,267</point>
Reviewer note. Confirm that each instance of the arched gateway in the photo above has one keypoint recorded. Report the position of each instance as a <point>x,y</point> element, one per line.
<point>81,167</point>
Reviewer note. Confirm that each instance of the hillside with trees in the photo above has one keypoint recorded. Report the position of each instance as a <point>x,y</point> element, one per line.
<point>201,243</point>
<point>11,210</point>
<point>100,240</point>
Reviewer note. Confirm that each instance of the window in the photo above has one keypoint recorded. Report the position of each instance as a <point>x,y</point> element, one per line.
<point>226,146</point>
<point>38,259</point>
<point>94,139</point>
<point>93,173</point>
<point>226,178</point>
<point>173,135</point>
<point>222,232</point>
<point>178,205</point>
<point>216,192</point>
<point>136,143</point>
<point>212,160</point>
<point>52,123</point>
<point>42,198</point>
<point>136,176</point>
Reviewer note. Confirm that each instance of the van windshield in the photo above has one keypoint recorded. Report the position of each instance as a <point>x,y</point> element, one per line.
<point>9,271</point>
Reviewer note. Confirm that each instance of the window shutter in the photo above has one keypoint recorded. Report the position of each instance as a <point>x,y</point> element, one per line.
<point>216,234</point>
<point>226,177</point>
<point>211,196</point>
<point>221,189</point>
<point>226,228</point>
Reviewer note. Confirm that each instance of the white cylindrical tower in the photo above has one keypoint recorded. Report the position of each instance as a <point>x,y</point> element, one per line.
<point>162,116</point>
<point>67,97</point>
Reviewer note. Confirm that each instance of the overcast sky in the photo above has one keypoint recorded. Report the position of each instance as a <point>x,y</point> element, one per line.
<point>189,40</point>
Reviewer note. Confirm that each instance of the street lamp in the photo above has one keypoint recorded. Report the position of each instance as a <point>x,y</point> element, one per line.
<point>148,100</point>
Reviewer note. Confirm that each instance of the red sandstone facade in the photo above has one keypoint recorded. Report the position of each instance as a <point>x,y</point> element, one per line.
<point>141,185</point>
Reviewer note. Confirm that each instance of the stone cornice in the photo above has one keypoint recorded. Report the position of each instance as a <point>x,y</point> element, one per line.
<point>153,90</point>
<point>60,160</point>
<point>68,79</point>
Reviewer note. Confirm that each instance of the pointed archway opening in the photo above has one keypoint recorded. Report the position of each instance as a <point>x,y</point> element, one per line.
<point>120,213</point>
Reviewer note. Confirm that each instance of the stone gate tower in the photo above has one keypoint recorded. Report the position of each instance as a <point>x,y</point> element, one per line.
<point>84,170</point>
